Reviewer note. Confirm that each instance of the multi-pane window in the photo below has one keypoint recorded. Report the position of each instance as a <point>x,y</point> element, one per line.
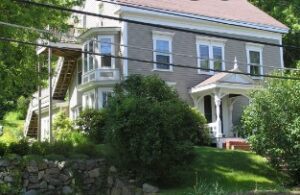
<point>89,60</point>
<point>210,56</point>
<point>162,52</point>
<point>254,59</point>
<point>79,72</point>
<point>204,56</point>
<point>105,97</point>
<point>217,57</point>
<point>89,100</point>
<point>106,50</point>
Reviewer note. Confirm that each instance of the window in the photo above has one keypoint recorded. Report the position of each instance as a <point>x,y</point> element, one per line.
<point>79,71</point>
<point>210,54</point>
<point>106,48</point>
<point>162,44</point>
<point>88,100</point>
<point>105,97</point>
<point>254,59</point>
<point>89,61</point>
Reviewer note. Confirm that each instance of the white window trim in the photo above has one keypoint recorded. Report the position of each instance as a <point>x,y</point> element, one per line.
<point>98,49</point>
<point>210,42</point>
<point>256,48</point>
<point>86,104</point>
<point>87,43</point>
<point>100,95</point>
<point>165,36</point>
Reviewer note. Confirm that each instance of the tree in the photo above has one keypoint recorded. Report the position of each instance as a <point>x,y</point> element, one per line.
<point>151,130</point>
<point>273,115</point>
<point>18,61</point>
<point>288,12</point>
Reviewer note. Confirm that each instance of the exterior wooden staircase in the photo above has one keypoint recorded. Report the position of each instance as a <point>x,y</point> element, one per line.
<point>64,71</point>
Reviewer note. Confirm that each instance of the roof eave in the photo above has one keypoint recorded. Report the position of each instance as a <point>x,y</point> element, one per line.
<point>131,9</point>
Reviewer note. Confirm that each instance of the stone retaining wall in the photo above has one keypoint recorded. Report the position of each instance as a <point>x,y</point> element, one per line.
<point>31,177</point>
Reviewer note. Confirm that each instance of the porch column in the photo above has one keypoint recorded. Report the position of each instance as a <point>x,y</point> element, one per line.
<point>218,113</point>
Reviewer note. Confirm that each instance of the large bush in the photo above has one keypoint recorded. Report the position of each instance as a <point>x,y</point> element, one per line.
<point>92,122</point>
<point>274,119</point>
<point>64,130</point>
<point>151,131</point>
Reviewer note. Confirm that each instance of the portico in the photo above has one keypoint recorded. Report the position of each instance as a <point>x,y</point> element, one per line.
<point>222,99</point>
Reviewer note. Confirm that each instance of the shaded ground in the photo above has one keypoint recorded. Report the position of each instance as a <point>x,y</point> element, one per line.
<point>230,171</point>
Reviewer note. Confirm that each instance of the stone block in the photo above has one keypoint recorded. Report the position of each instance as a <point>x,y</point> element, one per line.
<point>147,188</point>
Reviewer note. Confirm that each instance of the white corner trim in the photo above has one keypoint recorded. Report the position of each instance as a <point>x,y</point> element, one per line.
<point>124,50</point>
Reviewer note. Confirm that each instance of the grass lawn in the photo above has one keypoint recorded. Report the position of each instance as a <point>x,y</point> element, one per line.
<point>232,171</point>
<point>13,127</point>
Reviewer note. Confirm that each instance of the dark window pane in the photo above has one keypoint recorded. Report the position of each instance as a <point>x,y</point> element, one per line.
<point>85,59</point>
<point>254,61</point>
<point>218,56</point>
<point>91,62</point>
<point>162,59</point>
<point>254,70</point>
<point>106,61</point>
<point>105,97</point>
<point>208,108</point>
<point>254,57</point>
<point>204,56</point>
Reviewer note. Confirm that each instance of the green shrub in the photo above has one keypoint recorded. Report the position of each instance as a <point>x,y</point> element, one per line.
<point>22,106</point>
<point>3,148</point>
<point>40,148</point>
<point>86,149</point>
<point>62,127</point>
<point>21,148</point>
<point>273,119</point>
<point>61,148</point>
<point>92,122</point>
<point>150,130</point>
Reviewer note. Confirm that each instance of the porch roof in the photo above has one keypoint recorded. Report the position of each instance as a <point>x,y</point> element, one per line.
<point>226,83</point>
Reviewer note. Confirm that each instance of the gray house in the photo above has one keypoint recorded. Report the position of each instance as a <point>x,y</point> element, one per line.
<point>87,80</point>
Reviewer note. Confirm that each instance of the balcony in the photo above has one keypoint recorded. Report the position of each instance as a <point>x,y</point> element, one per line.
<point>101,76</point>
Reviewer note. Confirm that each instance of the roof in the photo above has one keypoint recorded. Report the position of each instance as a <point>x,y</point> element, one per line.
<point>230,10</point>
<point>227,77</point>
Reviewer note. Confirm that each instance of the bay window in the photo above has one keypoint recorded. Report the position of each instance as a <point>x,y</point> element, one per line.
<point>89,60</point>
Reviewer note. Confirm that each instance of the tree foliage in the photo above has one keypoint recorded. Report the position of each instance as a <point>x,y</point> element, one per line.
<point>151,130</point>
<point>18,61</point>
<point>274,117</point>
<point>288,12</point>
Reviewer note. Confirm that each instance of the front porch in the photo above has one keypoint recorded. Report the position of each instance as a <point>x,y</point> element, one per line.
<point>222,99</point>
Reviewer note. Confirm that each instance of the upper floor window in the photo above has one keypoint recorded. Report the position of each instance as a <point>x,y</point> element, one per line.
<point>254,59</point>
<point>89,60</point>
<point>106,48</point>
<point>210,54</point>
<point>162,44</point>
<point>79,71</point>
